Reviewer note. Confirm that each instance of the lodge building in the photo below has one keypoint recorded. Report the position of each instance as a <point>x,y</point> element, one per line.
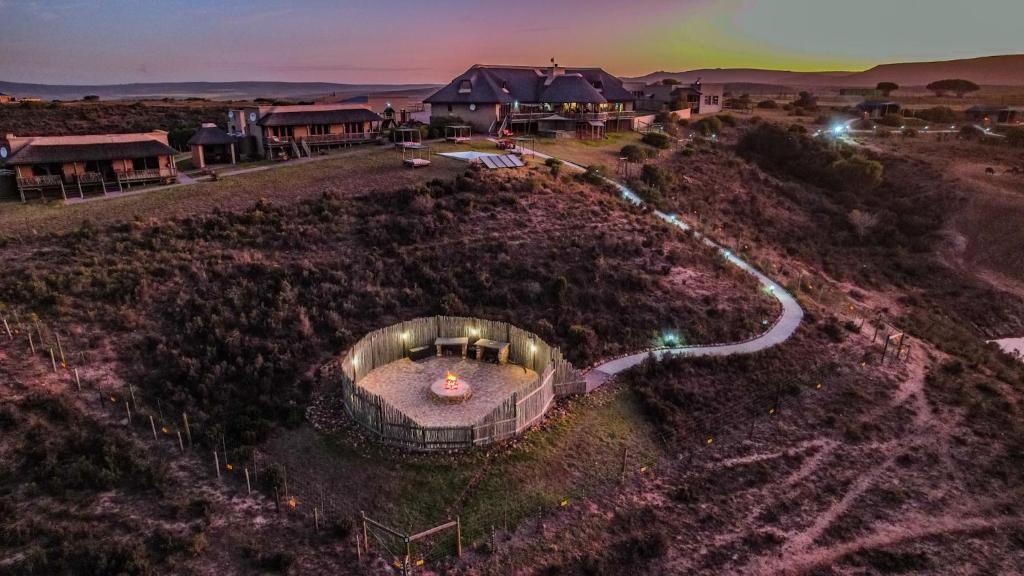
<point>302,130</point>
<point>552,101</point>
<point>75,165</point>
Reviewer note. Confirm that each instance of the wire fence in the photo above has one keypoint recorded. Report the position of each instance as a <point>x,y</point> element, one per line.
<point>320,506</point>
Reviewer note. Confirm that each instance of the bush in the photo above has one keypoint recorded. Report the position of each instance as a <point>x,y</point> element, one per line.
<point>892,120</point>
<point>857,173</point>
<point>554,165</point>
<point>727,120</point>
<point>655,176</point>
<point>768,104</point>
<point>633,153</point>
<point>657,140</point>
<point>909,132</point>
<point>91,98</point>
<point>1015,137</point>
<point>938,114</point>
<point>708,126</point>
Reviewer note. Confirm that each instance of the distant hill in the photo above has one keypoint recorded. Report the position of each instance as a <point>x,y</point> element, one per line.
<point>987,71</point>
<point>211,90</point>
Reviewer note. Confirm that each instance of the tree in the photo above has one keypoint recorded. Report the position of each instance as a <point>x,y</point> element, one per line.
<point>1015,137</point>
<point>956,85</point>
<point>91,98</point>
<point>862,222</point>
<point>806,101</point>
<point>887,88</point>
<point>670,82</point>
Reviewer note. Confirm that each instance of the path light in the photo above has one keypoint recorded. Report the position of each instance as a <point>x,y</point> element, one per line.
<point>533,348</point>
<point>405,335</point>
<point>837,130</point>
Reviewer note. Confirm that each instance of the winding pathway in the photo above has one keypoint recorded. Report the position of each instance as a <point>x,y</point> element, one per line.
<point>784,327</point>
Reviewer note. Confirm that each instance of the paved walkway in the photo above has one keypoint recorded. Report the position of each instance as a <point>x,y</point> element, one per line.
<point>784,327</point>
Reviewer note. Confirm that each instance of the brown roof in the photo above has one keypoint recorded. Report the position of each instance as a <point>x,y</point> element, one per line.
<point>61,149</point>
<point>316,114</point>
<point>210,135</point>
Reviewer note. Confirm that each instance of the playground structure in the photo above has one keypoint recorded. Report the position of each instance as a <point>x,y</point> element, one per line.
<point>458,133</point>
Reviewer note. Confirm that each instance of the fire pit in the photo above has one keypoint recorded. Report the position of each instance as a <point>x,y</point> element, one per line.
<point>450,389</point>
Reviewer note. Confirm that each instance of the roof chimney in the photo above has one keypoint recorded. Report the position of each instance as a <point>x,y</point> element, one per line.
<point>553,72</point>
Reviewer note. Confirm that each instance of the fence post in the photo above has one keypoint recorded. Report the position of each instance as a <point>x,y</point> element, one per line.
<point>53,360</point>
<point>181,445</point>
<point>128,411</point>
<point>188,431</point>
<point>7,327</point>
<point>152,425</point>
<point>60,349</point>
<point>366,536</point>
<point>31,346</point>
<point>78,382</point>
<point>458,536</point>
<point>248,486</point>
<point>216,463</point>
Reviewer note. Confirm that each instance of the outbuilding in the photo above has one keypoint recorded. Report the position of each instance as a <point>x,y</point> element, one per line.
<point>211,145</point>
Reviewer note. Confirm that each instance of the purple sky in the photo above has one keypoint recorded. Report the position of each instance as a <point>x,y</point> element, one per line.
<point>402,41</point>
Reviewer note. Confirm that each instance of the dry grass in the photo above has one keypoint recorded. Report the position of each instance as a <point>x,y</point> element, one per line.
<point>352,172</point>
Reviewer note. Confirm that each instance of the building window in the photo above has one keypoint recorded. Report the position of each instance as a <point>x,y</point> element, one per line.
<point>145,163</point>
<point>282,131</point>
<point>319,129</point>
<point>714,100</point>
<point>449,108</point>
<point>707,100</point>
<point>465,86</point>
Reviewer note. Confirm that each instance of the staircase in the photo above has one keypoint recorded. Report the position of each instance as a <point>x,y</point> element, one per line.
<point>504,126</point>
<point>295,150</point>
<point>305,148</point>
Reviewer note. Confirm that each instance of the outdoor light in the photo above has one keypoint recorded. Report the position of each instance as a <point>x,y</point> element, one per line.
<point>533,347</point>
<point>837,129</point>
<point>405,335</point>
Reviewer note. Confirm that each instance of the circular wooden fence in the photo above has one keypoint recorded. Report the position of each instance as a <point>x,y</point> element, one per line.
<point>523,408</point>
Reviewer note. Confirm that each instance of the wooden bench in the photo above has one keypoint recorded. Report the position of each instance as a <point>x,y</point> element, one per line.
<point>461,343</point>
<point>419,353</point>
<point>499,349</point>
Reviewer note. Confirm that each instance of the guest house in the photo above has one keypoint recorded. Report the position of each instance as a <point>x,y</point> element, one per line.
<point>302,130</point>
<point>52,166</point>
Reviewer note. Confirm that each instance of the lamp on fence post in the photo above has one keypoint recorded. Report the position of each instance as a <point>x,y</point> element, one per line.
<point>533,355</point>
<point>405,344</point>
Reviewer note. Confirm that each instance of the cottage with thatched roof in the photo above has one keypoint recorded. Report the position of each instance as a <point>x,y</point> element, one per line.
<point>76,164</point>
<point>522,99</point>
<point>211,145</point>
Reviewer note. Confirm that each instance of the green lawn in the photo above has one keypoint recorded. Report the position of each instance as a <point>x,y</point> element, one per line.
<point>589,152</point>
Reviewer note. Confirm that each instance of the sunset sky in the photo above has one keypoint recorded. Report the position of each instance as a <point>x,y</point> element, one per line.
<point>404,41</point>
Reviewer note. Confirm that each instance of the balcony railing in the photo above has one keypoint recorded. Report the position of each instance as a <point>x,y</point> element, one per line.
<point>40,181</point>
<point>90,178</point>
<point>340,137</point>
<point>579,116</point>
<point>142,175</point>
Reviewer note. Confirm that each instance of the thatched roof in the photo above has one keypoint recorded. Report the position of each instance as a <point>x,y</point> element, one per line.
<point>62,149</point>
<point>571,88</point>
<point>483,84</point>
<point>211,135</point>
<point>316,114</point>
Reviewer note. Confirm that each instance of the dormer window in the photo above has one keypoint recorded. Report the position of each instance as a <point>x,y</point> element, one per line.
<point>598,85</point>
<point>465,86</point>
<point>504,86</point>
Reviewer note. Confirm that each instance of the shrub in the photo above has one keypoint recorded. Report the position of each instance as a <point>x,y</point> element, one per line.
<point>893,120</point>
<point>863,124</point>
<point>708,126</point>
<point>657,140</point>
<point>584,339</point>
<point>939,114</point>
<point>91,98</point>
<point>554,165</point>
<point>768,104</point>
<point>633,153</point>
<point>655,176</point>
<point>727,120</point>
<point>1015,137</point>
<point>909,132</point>
<point>857,173</point>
